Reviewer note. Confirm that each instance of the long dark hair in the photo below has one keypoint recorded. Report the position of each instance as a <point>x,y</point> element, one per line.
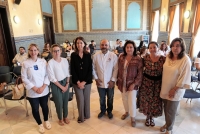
<point>183,47</point>
<point>84,48</point>
<point>134,46</point>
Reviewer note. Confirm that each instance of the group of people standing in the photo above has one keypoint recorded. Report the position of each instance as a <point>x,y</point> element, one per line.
<point>158,82</point>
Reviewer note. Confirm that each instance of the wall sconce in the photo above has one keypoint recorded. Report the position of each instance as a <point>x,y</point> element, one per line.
<point>163,17</point>
<point>187,14</point>
<point>39,21</point>
<point>16,19</point>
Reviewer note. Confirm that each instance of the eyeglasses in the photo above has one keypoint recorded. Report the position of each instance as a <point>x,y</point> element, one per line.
<point>56,51</point>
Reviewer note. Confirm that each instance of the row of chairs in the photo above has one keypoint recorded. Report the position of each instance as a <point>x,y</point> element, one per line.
<point>192,93</point>
<point>10,78</point>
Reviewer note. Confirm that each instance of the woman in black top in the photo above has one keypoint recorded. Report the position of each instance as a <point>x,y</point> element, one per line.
<point>81,71</point>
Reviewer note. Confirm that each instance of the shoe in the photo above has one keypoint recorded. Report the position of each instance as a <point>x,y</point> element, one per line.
<point>110,115</point>
<point>101,114</point>
<point>41,128</point>
<point>152,122</point>
<point>124,116</point>
<point>47,124</point>
<point>66,121</point>
<point>80,121</point>
<point>133,123</point>
<point>169,132</point>
<point>163,128</point>
<point>147,123</point>
<point>61,123</point>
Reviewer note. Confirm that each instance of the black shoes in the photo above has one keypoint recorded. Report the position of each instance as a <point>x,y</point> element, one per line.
<point>110,115</point>
<point>101,114</point>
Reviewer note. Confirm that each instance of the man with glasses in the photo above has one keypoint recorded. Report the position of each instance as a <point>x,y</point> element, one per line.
<point>105,70</point>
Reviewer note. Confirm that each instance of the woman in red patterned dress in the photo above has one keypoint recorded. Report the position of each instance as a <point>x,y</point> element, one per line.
<point>149,101</point>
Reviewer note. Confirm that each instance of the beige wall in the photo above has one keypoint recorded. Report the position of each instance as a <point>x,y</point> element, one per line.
<point>29,11</point>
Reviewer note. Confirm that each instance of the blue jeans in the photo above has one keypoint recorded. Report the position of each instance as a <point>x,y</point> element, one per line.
<point>42,101</point>
<point>102,94</point>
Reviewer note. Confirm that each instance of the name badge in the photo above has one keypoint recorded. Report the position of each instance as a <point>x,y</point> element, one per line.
<point>35,67</point>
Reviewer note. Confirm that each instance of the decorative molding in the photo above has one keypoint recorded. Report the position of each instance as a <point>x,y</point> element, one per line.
<point>140,2</point>
<point>55,18</point>
<point>112,9</point>
<point>119,14</point>
<point>83,15</point>
<point>176,2</point>
<point>75,4</point>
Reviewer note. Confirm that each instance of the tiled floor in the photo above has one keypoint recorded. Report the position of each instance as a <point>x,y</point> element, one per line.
<point>16,122</point>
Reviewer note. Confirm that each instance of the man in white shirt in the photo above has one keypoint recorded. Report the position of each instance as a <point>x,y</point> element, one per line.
<point>105,69</point>
<point>20,57</point>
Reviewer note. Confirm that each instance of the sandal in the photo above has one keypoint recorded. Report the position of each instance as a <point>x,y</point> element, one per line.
<point>61,123</point>
<point>133,123</point>
<point>152,122</point>
<point>147,123</point>
<point>124,116</point>
<point>79,121</point>
<point>163,128</point>
<point>66,121</point>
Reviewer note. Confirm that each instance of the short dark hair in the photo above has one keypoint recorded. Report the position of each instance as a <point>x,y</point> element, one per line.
<point>183,48</point>
<point>134,46</point>
<point>92,40</point>
<point>152,42</point>
<point>117,39</point>
<point>22,47</point>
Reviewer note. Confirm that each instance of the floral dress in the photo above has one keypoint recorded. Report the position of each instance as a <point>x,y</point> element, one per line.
<point>149,101</point>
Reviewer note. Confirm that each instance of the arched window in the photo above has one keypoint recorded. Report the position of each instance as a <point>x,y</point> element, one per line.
<point>46,6</point>
<point>101,14</point>
<point>69,17</point>
<point>133,19</point>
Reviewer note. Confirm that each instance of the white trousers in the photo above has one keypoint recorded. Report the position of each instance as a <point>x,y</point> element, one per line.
<point>129,101</point>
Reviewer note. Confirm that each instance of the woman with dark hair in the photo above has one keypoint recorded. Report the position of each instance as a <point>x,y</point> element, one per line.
<point>36,81</point>
<point>140,45</point>
<point>81,71</point>
<point>197,61</point>
<point>149,101</point>
<point>129,78</point>
<point>163,49</point>
<point>46,54</point>
<point>176,78</point>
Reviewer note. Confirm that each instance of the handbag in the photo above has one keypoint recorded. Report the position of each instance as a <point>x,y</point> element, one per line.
<point>18,89</point>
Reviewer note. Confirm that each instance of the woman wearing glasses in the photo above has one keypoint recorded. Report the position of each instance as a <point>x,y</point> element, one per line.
<point>58,72</point>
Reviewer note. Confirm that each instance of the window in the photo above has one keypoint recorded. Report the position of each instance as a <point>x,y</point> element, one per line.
<point>101,14</point>
<point>175,25</point>
<point>133,16</point>
<point>155,27</point>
